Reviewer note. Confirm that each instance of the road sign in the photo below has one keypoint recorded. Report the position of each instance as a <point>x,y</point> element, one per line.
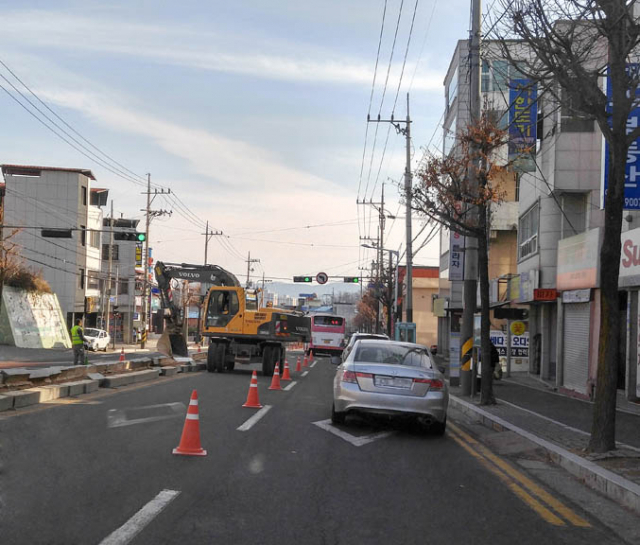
<point>321,278</point>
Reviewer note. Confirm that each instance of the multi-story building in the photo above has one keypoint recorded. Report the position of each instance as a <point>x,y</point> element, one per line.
<point>425,283</point>
<point>46,201</point>
<point>559,218</point>
<point>504,216</point>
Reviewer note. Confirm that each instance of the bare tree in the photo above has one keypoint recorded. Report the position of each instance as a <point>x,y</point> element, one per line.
<point>576,44</point>
<point>444,194</point>
<point>366,312</point>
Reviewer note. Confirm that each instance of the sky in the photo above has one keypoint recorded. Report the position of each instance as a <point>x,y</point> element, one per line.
<point>253,114</point>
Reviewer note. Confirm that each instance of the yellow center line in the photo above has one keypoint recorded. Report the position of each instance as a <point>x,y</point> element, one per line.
<point>545,513</point>
<point>535,489</point>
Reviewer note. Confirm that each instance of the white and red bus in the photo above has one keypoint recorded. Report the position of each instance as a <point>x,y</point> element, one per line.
<point>327,335</point>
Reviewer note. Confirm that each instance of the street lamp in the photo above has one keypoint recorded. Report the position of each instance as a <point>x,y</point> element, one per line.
<point>395,298</point>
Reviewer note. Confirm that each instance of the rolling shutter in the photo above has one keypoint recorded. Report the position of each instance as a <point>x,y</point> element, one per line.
<point>576,346</point>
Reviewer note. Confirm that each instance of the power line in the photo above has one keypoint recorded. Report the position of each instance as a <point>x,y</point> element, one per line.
<point>125,169</point>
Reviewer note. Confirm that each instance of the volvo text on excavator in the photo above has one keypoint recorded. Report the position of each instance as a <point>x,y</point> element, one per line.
<point>239,331</point>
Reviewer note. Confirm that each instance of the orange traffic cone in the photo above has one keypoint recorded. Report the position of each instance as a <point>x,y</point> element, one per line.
<point>275,381</point>
<point>310,356</point>
<point>286,375</point>
<point>190,440</point>
<point>305,363</point>
<point>298,368</point>
<point>121,356</point>
<point>252,397</point>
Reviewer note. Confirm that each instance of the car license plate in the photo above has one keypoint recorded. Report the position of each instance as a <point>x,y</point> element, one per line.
<point>326,341</point>
<point>392,382</point>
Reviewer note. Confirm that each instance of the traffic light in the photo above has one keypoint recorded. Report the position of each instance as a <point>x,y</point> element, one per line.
<point>124,235</point>
<point>307,278</point>
<point>351,279</point>
<point>56,233</point>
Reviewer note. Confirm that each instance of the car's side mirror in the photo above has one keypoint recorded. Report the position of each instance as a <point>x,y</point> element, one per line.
<point>442,369</point>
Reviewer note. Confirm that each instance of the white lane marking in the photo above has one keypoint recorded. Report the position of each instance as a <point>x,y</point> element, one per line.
<point>117,418</point>
<point>305,374</point>
<point>565,426</point>
<point>354,440</point>
<point>314,362</point>
<point>254,419</point>
<point>142,518</point>
<point>290,386</point>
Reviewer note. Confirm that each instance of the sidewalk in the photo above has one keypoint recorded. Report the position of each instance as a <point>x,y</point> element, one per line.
<point>560,425</point>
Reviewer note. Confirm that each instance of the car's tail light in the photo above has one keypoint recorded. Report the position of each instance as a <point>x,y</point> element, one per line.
<point>352,376</point>
<point>435,383</point>
<point>349,376</point>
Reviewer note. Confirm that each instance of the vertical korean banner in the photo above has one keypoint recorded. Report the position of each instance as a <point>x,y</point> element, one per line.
<point>456,256</point>
<point>632,167</point>
<point>523,119</point>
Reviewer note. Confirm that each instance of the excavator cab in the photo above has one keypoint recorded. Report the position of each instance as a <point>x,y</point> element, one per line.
<point>222,308</point>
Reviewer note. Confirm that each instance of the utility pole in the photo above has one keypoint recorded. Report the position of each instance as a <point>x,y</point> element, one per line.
<point>208,234</point>
<point>113,340</point>
<point>406,131</point>
<point>145,257</point>
<point>407,189</point>
<point>146,291</point>
<point>109,269</point>
<point>379,244</point>
<point>471,244</point>
<point>249,262</point>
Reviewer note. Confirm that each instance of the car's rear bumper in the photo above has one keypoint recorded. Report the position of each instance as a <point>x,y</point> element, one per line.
<point>348,397</point>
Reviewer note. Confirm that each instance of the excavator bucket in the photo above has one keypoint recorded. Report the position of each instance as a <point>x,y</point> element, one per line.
<point>172,345</point>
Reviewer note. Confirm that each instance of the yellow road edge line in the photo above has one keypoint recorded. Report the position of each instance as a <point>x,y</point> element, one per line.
<point>534,504</point>
<point>537,490</point>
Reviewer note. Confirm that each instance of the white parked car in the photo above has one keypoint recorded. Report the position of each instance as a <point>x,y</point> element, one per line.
<point>97,339</point>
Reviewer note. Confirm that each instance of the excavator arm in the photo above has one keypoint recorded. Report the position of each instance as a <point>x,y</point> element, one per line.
<point>172,341</point>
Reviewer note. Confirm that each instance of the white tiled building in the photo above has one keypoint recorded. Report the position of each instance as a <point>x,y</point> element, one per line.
<point>59,198</point>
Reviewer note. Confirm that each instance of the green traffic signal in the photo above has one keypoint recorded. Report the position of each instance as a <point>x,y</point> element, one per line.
<point>302,279</point>
<point>351,279</point>
<point>141,237</point>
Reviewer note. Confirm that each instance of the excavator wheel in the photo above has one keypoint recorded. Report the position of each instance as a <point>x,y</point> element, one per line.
<point>221,353</point>
<point>269,357</point>
<point>211,357</point>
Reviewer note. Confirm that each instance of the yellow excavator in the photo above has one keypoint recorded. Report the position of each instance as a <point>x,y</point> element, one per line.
<point>238,329</point>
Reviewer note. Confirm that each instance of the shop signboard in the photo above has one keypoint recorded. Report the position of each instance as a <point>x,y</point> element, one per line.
<point>578,261</point>
<point>630,259</point>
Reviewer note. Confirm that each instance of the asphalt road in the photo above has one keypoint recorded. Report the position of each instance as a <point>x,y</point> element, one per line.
<point>82,470</point>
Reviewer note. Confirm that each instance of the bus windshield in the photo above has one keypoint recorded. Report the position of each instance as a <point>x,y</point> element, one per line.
<point>328,321</point>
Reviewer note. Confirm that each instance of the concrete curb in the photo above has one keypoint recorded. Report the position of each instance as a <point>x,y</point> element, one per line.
<point>116,381</point>
<point>604,481</point>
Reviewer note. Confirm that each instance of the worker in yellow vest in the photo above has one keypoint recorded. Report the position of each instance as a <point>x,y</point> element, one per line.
<point>77,340</point>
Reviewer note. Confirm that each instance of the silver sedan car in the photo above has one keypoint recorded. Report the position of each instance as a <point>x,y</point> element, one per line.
<point>391,378</point>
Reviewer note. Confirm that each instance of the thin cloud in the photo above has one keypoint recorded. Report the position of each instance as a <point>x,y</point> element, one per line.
<point>189,48</point>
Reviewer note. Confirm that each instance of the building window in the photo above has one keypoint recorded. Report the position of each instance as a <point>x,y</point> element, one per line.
<point>574,214</point>
<point>93,282</point>
<point>500,118</point>
<point>84,195</point>
<point>571,120</point>
<point>528,232</point>
<point>452,89</point>
<point>123,288</point>
<point>83,235</point>
<point>81,279</point>
<point>115,252</point>
<point>449,138</point>
<point>496,74</point>
<point>94,239</point>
